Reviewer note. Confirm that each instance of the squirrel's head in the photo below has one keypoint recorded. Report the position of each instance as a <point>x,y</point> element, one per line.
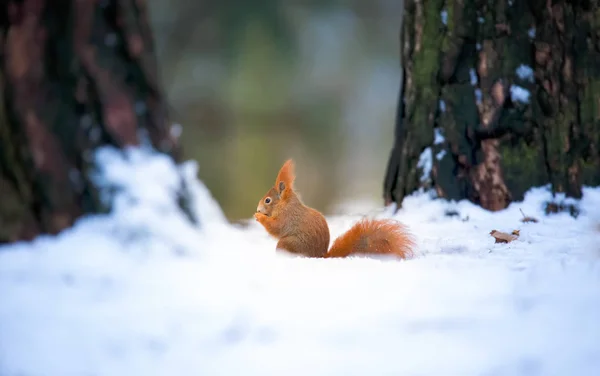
<point>281,191</point>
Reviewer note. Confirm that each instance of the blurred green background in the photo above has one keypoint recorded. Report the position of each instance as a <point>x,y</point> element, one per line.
<point>255,82</point>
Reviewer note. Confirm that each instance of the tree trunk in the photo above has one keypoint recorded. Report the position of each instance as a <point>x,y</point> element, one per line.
<point>73,77</point>
<point>497,97</point>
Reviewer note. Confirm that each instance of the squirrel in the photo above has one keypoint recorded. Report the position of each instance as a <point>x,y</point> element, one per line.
<point>302,230</point>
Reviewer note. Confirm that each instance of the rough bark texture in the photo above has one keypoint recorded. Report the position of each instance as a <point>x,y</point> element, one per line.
<point>73,76</point>
<point>499,96</point>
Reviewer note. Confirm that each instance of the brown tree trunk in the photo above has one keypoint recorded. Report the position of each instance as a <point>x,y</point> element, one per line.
<point>497,97</point>
<point>73,76</point>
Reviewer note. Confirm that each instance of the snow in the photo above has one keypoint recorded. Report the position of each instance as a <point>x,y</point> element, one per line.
<point>425,163</point>
<point>473,76</point>
<point>531,32</point>
<point>175,130</point>
<point>444,15</point>
<point>478,96</point>
<point>440,154</point>
<point>525,72</point>
<point>141,291</point>
<point>519,94</point>
<point>438,137</point>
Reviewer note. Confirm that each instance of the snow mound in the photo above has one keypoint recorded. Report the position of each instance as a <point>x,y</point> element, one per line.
<point>141,291</point>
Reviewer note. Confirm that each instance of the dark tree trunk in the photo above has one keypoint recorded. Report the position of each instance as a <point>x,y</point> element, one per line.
<point>74,75</point>
<point>497,97</point>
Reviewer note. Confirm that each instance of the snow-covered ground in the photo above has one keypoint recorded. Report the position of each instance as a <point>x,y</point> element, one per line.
<point>142,292</point>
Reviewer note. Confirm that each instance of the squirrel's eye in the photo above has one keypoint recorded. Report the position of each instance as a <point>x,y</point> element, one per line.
<point>268,200</point>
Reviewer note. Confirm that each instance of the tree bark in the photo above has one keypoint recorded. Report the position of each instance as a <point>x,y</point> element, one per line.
<point>497,97</point>
<point>74,76</point>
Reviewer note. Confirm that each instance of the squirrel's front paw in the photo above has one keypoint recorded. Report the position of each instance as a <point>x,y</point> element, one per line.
<point>260,217</point>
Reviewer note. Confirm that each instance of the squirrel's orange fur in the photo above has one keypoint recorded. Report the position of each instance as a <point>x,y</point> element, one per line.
<point>303,230</point>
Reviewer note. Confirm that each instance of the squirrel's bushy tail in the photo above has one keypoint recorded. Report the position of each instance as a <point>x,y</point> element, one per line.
<point>374,236</point>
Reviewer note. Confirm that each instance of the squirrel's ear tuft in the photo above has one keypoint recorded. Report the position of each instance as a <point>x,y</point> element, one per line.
<point>286,176</point>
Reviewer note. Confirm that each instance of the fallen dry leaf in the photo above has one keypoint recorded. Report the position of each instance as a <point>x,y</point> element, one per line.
<point>527,218</point>
<point>503,237</point>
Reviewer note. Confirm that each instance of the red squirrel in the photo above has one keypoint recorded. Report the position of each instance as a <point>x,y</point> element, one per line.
<point>302,230</point>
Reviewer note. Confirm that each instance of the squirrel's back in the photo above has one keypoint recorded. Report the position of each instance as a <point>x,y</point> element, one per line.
<point>307,234</point>
<point>374,236</point>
